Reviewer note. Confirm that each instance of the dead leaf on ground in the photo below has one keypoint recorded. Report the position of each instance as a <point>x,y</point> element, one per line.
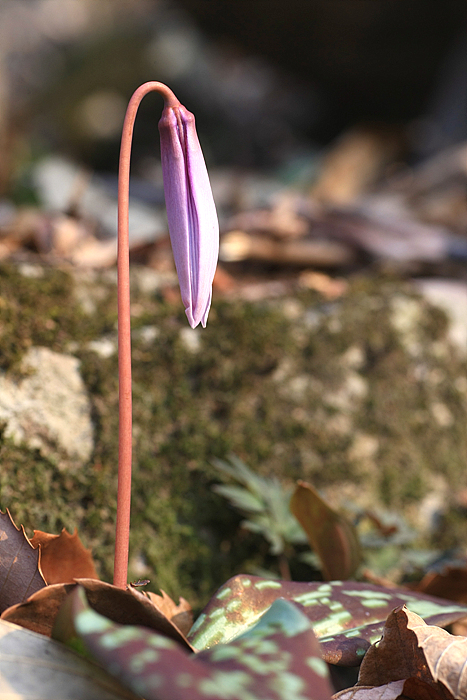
<point>33,667</point>
<point>63,557</point>
<point>126,607</point>
<point>450,584</point>
<point>354,162</point>
<point>410,648</point>
<point>238,245</point>
<point>331,536</point>
<point>330,287</point>
<point>409,689</point>
<point>181,615</point>
<point>20,573</point>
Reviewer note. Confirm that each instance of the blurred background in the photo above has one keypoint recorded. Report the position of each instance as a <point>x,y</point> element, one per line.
<point>335,134</point>
<point>333,100</point>
<point>268,81</point>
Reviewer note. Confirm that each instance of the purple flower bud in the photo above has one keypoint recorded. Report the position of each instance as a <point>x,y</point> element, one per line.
<point>191,212</point>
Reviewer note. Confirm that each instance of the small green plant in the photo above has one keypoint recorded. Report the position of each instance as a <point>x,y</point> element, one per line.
<point>265,503</point>
<point>288,518</point>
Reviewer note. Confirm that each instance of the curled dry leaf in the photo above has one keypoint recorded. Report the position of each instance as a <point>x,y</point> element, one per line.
<point>63,557</point>
<point>446,657</point>
<point>181,615</point>
<point>333,538</point>
<point>20,573</point>
<point>410,648</point>
<point>39,612</point>
<point>450,584</point>
<point>410,689</point>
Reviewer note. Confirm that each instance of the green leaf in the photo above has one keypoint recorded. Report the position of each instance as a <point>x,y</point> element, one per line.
<point>239,471</point>
<point>264,501</point>
<point>278,659</point>
<point>240,498</point>
<point>347,617</point>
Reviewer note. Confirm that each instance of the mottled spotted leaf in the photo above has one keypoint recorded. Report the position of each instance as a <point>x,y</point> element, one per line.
<point>347,617</point>
<point>20,574</point>
<point>278,659</point>
<point>330,534</point>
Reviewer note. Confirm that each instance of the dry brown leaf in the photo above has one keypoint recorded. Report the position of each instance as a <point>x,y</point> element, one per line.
<point>331,536</point>
<point>446,656</point>
<point>283,221</point>
<point>396,656</point>
<point>181,615</point>
<point>354,162</point>
<point>459,628</point>
<point>450,584</point>
<point>410,648</point>
<point>39,611</point>
<point>329,287</point>
<point>237,245</point>
<point>410,689</point>
<point>63,557</point>
<point>20,573</point>
<point>127,607</point>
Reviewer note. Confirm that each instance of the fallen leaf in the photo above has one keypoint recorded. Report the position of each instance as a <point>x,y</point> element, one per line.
<point>331,536</point>
<point>446,657</point>
<point>450,584</point>
<point>181,615</point>
<point>410,648</point>
<point>39,612</point>
<point>238,245</point>
<point>33,667</point>
<point>63,557</point>
<point>278,658</point>
<point>330,287</point>
<point>347,617</point>
<point>409,689</point>
<point>20,573</point>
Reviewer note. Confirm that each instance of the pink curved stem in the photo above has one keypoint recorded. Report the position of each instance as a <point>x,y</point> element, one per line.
<point>122,535</point>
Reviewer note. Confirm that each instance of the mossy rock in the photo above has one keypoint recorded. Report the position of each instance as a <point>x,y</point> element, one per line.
<point>363,396</point>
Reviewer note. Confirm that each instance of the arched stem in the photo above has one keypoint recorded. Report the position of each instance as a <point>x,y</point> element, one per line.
<point>122,535</point>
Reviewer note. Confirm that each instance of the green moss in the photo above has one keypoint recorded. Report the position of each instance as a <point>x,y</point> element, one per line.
<point>275,391</point>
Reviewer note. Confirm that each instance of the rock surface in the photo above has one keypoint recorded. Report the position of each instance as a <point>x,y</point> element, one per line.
<point>363,395</point>
<point>48,408</point>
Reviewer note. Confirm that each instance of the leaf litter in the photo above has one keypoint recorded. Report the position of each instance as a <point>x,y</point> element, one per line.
<point>63,557</point>
<point>411,649</point>
<point>331,535</point>
<point>244,644</point>
<point>20,573</point>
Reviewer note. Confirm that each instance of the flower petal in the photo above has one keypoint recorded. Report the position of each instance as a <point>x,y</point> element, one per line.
<point>191,212</point>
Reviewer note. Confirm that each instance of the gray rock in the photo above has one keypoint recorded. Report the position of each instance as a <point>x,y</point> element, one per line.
<point>451,297</point>
<point>49,408</point>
